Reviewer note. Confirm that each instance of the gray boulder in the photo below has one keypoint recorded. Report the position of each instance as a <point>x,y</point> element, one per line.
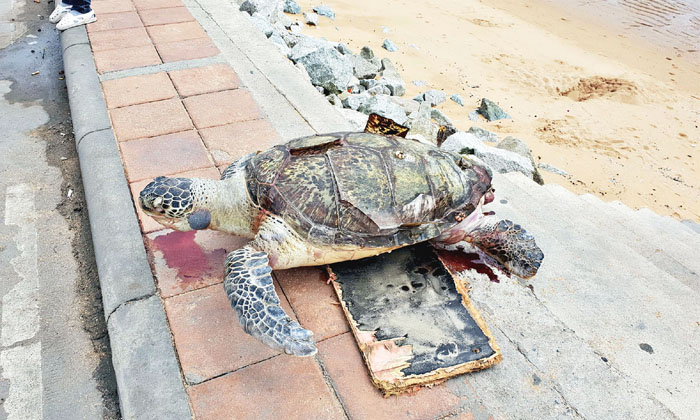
<point>421,127</point>
<point>440,117</point>
<point>363,68</point>
<point>327,67</point>
<point>409,106</point>
<point>383,106</point>
<point>290,6</point>
<point>499,160</point>
<point>419,83</point>
<point>262,24</point>
<point>389,45</point>
<point>271,10</point>
<point>311,19</point>
<point>491,111</point>
<point>357,120</point>
<point>433,97</point>
<point>549,168</point>
<point>518,146</point>
<point>457,99</point>
<point>343,49</point>
<point>474,115</point>
<point>355,101</point>
<point>335,100</point>
<point>484,135</point>
<point>379,90</point>
<point>326,11</point>
<point>280,43</point>
<point>295,28</point>
<point>391,78</point>
<point>368,83</point>
<point>367,53</point>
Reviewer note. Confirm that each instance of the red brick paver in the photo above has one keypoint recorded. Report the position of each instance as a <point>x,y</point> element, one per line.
<point>227,143</point>
<point>111,6</point>
<point>363,401</point>
<point>126,58</point>
<point>176,32</point>
<point>156,4</point>
<point>314,301</point>
<point>208,338</point>
<point>163,155</point>
<point>221,108</point>
<point>284,387</point>
<point>112,21</point>
<point>148,224</point>
<point>187,50</point>
<point>119,38</point>
<point>149,119</point>
<point>199,80</point>
<point>151,17</point>
<point>137,90</point>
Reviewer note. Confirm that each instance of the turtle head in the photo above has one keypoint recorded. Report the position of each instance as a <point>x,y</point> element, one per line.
<point>178,203</point>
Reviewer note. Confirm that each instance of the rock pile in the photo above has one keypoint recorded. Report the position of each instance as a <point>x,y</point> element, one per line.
<point>361,84</point>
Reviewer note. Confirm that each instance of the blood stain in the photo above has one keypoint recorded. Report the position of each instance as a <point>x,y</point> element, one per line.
<point>459,261</point>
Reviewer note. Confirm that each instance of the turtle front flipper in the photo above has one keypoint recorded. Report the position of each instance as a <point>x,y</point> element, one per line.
<point>252,294</point>
<point>510,244</point>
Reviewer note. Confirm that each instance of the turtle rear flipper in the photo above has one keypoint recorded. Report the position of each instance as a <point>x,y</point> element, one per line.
<point>252,295</point>
<point>510,244</point>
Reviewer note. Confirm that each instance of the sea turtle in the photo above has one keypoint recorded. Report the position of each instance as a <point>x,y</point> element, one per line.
<point>328,198</point>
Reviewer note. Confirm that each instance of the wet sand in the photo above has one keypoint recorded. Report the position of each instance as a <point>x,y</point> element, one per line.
<point>618,112</point>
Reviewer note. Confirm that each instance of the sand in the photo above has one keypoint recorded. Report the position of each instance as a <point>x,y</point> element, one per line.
<point>619,114</point>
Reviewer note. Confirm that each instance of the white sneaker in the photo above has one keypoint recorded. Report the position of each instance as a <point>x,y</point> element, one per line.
<point>73,19</point>
<point>60,10</point>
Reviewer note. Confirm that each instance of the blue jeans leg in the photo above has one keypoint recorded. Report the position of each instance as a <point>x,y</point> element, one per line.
<point>80,6</point>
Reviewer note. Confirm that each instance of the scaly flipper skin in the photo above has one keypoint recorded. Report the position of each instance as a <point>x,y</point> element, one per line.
<point>252,295</point>
<point>511,245</point>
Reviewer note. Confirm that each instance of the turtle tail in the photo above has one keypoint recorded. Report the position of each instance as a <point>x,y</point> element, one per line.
<point>510,244</point>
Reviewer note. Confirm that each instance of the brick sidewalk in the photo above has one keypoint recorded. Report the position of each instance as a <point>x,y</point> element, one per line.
<point>193,122</point>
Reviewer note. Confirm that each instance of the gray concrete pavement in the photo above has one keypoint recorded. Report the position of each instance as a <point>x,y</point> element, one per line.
<point>54,357</point>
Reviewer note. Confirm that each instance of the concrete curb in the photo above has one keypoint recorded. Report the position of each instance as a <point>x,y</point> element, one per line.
<point>145,364</point>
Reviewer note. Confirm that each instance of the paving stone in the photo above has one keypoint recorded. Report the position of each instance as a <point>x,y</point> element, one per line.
<point>112,21</point>
<point>126,58</point>
<point>119,38</point>
<point>227,143</point>
<point>148,224</point>
<point>156,4</point>
<point>199,80</point>
<point>284,387</point>
<point>362,400</point>
<point>208,338</point>
<point>148,120</point>
<point>185,261</point>
<point>163,155</point>
<point>137,90</point>
<point>231,106</point>
<point>187,50</point>
<point>314,301</point>
<point>165,16</point>
<point>103,7</point>
<point>175,32</point>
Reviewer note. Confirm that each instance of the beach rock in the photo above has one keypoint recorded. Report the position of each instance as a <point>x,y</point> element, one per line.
<point>549,168</point>
<point>389,45</point>
<point>484,135</point>
<point>357,120</point>
<point>367,53</point>
<point>290,6</point>
<point>295,28</point>
<point>474,115</point>
<point>433,97</point>
<point>383,106</point>
<point>379,90</point>
<point>303,71</point>
<point>363,68</point>
<point>518,146</point>
<point>440,117</point>
<point>491,111</point>
<point>457,99</point>
<point>355,101</point>
<point>335,100</point>
<point>306,45</point>
<point>421,127</point>
<point>343,49</point>
<point>324,10</point>
<point>326,66</point>
<point>409,106</point>
<point>499,160</point>
<point>368,83</point>
<point>311,18</point>
<point>262,24</point>
<point>271,10</point>
<point>285,22</point>
<point>419,83</point>
<point>391,78</point>
<point>280,43</point>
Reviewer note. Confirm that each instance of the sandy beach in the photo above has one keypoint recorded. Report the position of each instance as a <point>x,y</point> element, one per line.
<point>617,111</point>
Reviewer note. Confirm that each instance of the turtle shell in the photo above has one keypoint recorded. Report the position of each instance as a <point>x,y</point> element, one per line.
<point>364,189</point>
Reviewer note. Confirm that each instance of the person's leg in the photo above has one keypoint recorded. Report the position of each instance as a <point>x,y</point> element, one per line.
<point>80,14</point>
<point>80,6</point>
